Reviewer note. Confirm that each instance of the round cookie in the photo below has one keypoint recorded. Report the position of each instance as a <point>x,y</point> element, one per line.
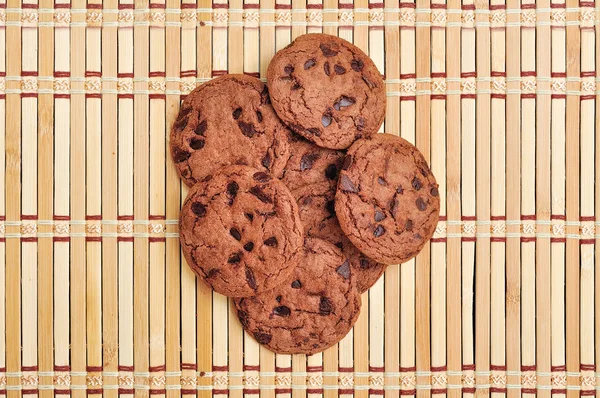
<point>327,90</point>
<point>387,201</point>
<point>228,120</point>
<point>317,213</point>
<point>310,164</point>
<point>312,310</point>
<point>240,231</point>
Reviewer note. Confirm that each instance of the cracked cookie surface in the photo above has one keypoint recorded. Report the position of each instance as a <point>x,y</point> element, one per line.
<point>387,200</point>
<point>327,90</point>
<point>312,310</point>
<point>310,164</point>
<point>316,205</point>
<point>240,231</point>
<point>228,120</point>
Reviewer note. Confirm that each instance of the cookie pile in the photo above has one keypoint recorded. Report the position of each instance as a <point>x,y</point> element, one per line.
<point>296,204</point>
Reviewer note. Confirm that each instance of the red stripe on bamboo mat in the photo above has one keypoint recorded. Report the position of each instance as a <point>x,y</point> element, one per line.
<point>189,366</point>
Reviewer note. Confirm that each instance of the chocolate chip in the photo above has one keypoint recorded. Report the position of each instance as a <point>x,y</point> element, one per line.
<point>196,144</point>
<point>418,236</point>
<point>260,194</point>
<point>249,246</point>
<point>278,299</point>
<point>357,65</point>
<point>250,278</point>
<point>307,160</point>
<point>343,102</point>
<point>379,215</point>
<point>201,129</point>
<point>369,83</point>
<point>182,118</point>
<point>288,69</point>
<point>259,116</point>
<point>331,172</point>
<point>327,51</point>
<point>296,284</point>
<point>330,206</point>
<point>243,318</point>
<point>234,259</point>
<point>409,225</point>
<point>400,190</point>
<point>379,231</point>
<point>249,216</point>
<point>339,245</point>
<point>264,96</point>
<point>326,120</point>
<point>296,86</point>
<point>340,70</point>
<point>247,129</point>
<point>235,233</point>
<point>326,68</point>
<point>364,263</point>
<point>271,242</point>
<point>359,123</point>
<point>347,185</point>
<point>393,206</point>
<point>314,131</point>
<point>236,113</point>
<point>282,310</point>
<point>307,200</point>
<point>381,181</point>
<point>310,63</point>
<point>347,162</point>
<point>261,177</point>
<point>417,184</point>
<point>180,156</point>
<point>344,270</point>
<point>212,273</point>
<point>198,209</point>
<point>421,205</point>
<point>325,306</point>
<point>262,338</point>
<point>434,191</point>
<point>266,161</point>
<point>232,188</point>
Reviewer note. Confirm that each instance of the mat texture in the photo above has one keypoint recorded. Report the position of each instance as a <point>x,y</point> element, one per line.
<point>96,299</point>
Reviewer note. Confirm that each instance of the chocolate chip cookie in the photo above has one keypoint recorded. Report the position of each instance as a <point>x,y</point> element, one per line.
<point>311,164</point>
<point>240,231</point>
<point>312,310</point>
<point>387,201</point>
<point>228,120</point>
<point>327,90</point>
<point>316,204</point>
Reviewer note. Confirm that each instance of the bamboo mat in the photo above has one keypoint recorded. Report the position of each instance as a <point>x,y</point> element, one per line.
<point>501,98</point>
